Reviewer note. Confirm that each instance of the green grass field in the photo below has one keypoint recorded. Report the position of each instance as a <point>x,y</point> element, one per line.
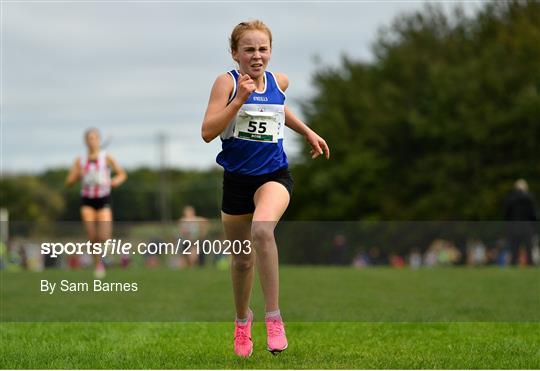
<point>455,318</point>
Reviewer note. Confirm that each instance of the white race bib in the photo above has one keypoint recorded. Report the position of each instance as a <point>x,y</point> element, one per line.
<point>95,178</point>
<point>257,126</point>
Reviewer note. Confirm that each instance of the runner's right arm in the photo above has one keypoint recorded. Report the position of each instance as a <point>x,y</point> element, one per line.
<point>219,114</point>
<point>74,173</point>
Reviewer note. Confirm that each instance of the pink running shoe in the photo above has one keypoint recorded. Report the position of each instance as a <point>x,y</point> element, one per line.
<point>243,346</point>
<point>275,329</point>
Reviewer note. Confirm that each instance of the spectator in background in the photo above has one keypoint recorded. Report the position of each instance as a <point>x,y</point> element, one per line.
<point>476,252</point>
<point>396,260</point>
<point>153,261</point>
<point>338,256</point>
<point>193,228</point>
<point>377,256</point>
<point>491,255</point>
<point>361,259</point>
<point>431,255</point>
<point>536,249</point>
<point>3,255</point>
<point>415,258</point>
<point>520,211</point>
<point>449,254</point>
<point>441,252</point>
<point>501,253</point>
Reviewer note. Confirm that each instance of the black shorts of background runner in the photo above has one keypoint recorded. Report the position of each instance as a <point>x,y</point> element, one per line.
<point>96,203</point>
<point>238,189</point>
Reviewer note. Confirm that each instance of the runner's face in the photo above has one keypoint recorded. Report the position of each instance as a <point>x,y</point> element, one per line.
<point>253,53</point>
<point>92,140</point>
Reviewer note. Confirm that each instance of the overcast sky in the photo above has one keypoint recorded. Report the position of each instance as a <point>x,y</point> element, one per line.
<point>136,69</point>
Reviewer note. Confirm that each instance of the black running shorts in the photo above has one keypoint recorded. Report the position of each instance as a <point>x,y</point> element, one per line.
<point>239,190</point>
<point>96,203</point>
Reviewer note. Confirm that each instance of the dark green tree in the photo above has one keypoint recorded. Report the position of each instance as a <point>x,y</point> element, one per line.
<point>438,126</point>
<point>28,199</point>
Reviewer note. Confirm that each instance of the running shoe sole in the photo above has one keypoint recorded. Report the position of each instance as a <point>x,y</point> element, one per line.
<point>275,352</point>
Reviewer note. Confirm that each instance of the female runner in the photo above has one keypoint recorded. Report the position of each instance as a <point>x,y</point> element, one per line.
<point>247,110</point>
<point>94,172</point>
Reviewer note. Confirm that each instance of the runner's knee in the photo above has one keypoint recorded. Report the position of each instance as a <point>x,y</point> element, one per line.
<point>262,233</point>
<point>243,264</point>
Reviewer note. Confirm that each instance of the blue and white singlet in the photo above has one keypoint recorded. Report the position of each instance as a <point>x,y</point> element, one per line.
<point>252,143</point>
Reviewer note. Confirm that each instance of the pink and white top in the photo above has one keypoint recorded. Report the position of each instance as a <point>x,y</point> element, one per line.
<point>96,177</point>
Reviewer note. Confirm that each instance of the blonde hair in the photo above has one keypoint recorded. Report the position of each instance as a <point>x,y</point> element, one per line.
<point>242,27</point>
<point>88,131</point>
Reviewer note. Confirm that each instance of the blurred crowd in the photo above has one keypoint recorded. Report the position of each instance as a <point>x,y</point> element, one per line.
<point>440,252</point>
<point>517,245</point>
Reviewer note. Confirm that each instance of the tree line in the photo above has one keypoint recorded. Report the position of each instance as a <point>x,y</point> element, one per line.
<point>436,127</point>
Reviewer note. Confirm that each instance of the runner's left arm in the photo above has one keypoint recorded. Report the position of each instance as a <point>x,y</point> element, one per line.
<point>120,175</point>
<point>318,144</point>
